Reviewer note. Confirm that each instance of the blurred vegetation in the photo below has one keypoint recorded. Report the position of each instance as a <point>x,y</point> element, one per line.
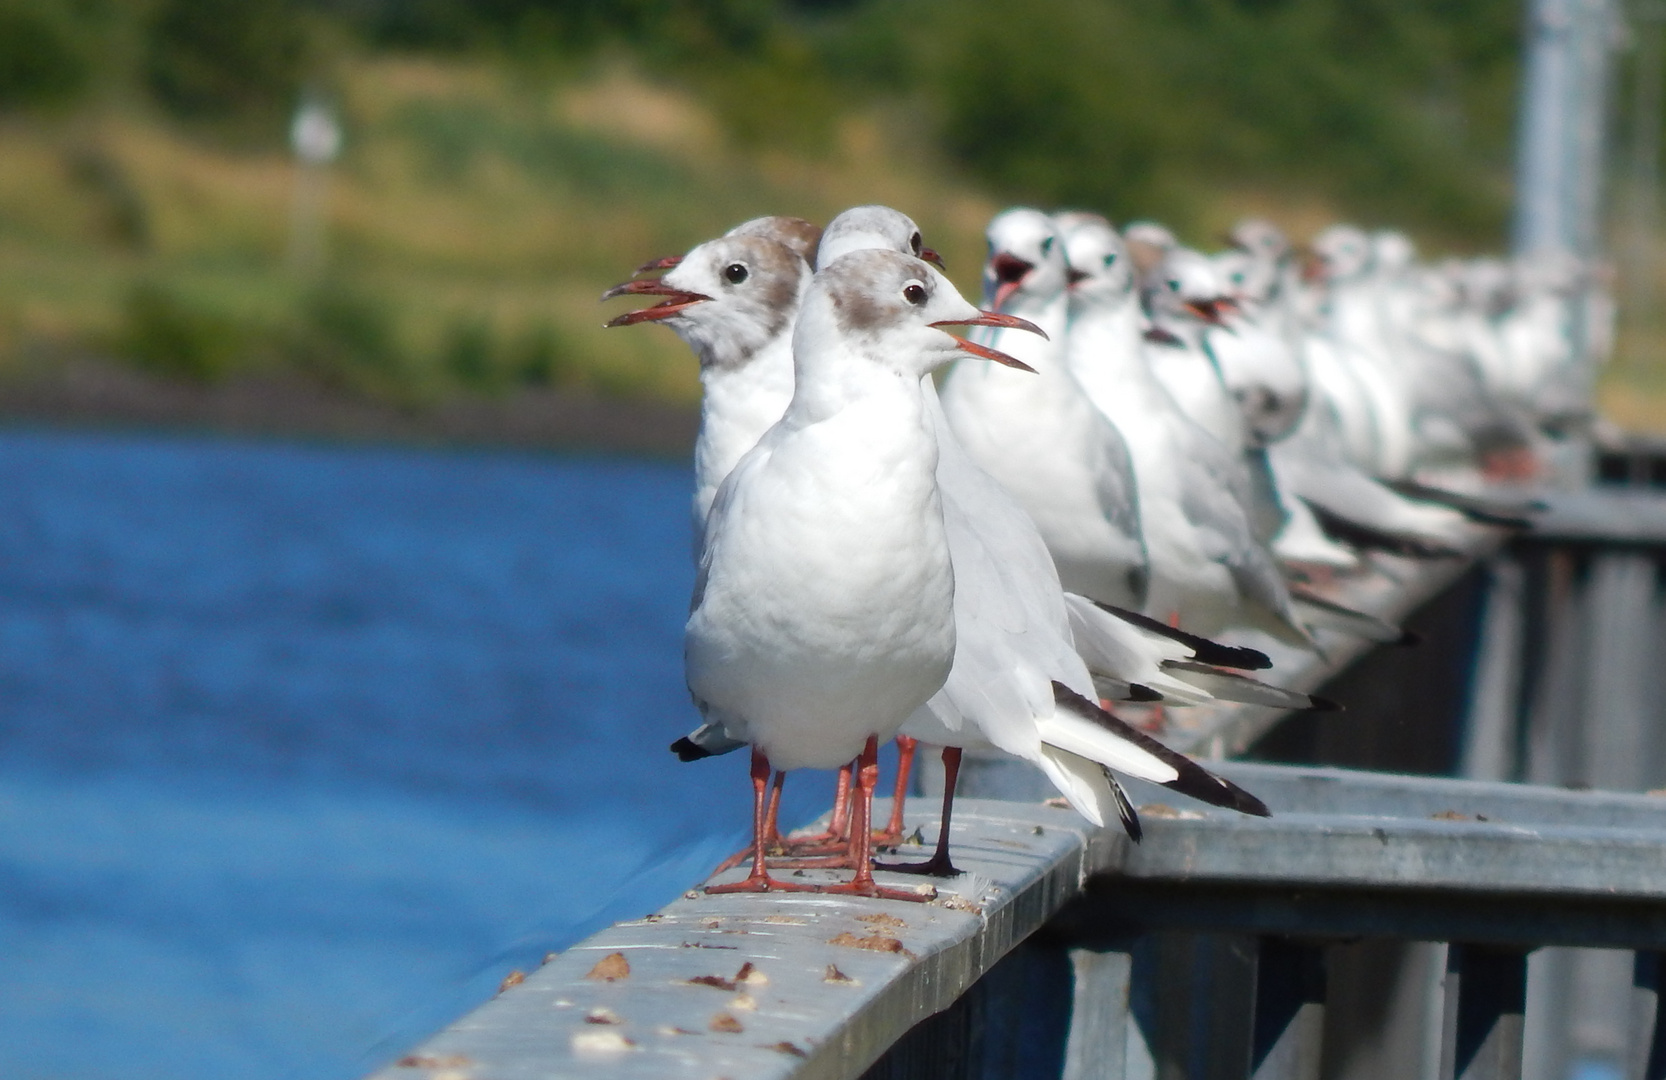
<point>505,160</point>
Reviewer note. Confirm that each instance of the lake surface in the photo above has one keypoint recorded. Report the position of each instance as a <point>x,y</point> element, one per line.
<point>303,748</point>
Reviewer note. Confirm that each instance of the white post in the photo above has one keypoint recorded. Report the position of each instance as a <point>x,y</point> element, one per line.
<point>315,136</point>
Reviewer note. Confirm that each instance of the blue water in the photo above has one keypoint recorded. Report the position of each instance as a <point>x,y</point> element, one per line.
<point>303,748</point>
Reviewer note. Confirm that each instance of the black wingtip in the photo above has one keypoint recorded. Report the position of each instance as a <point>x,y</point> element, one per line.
<point>1409,638</point>
<point>1125,809</point>
<point>1315,703</point>
<point>1365,536</point>
<point>1245,803</point>
<point>1206,651</point>
<point>1139,692</point>
<point>1192,779</point>
<point>687,749</point>
<point>1504,513</point>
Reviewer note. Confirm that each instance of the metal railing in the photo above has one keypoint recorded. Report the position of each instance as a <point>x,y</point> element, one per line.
<point>1376,926</point>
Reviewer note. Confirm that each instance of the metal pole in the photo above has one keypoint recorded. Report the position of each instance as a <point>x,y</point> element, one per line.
<point>1563,127</point>
<point>1647,19</point>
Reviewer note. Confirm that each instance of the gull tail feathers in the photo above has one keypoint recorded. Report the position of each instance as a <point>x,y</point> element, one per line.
<point>1482,509</point>
<point>1204,650</point>
<point>1158,686</point>
<point>1232,686</point>
<point>707,740</point>
<point>1397,541</point>
<point>1318,611</point>
<point>1089,789</point>
<point>1129,743</point>
<point>1282,625</point>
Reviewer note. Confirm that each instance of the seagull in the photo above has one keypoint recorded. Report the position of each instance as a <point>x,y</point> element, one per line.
<point>1186,298</point>
<point>1208,571</point>
<point>873,227</point>
<point>823,611</point>
<point>1353,324</point>
<point>1013,634</point>
<point>733,301</point>
<point>1041,438</point>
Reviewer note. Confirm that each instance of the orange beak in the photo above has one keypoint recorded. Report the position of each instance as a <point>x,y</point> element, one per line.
<point>1210,310</point>
<point>675,303</point>
<point>993,318</point>
<point>651,265</point>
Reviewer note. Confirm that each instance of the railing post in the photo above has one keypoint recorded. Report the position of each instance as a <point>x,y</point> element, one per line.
<point>1648,1030</point>
<point>1289,1010</point>
<point>1190,996</point>
<point>1097,1048</point>
<point>1486,997</point>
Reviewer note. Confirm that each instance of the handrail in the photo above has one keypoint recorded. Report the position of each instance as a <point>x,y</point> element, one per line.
<point>830,983</point>
<point>807,985</point>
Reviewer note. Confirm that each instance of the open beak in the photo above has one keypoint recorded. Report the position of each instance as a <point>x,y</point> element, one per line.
<point>676,301</point>
<point>933,258</point>
<point>1010,272</point>
<point>993,318</point>
<point>1074,276</point>
<point>651,265</point>
<point>1210,311</point>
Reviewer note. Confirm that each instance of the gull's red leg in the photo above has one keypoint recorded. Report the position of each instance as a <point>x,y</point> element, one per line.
<point>861,834</point>
<point>829,841</point>
<point>938,865</point>
<point>899,795</point>
<point>772,833</point>
<point>772,819</point>
<point>839,823</point>
<point>759,880</point>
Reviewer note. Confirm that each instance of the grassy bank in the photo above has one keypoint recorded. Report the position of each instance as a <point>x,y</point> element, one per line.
<point>502,168</point>
<point>470,225</point>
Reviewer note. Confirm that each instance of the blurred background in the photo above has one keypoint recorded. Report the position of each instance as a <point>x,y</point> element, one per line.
<point>481,169</point>
<point>305,743</point>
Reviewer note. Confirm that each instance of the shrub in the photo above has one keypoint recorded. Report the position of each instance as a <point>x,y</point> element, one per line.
<point>41,59</point>
<point>224,58</point>
<point>348,338</point>
<point>468,354</point>
<point>539,357</point>
<point>169,336</point>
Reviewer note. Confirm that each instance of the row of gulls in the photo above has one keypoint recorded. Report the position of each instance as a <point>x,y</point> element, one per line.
<point>1131,452</point>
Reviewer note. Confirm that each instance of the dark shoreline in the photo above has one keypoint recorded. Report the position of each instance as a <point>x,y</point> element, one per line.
<point>92,393</point>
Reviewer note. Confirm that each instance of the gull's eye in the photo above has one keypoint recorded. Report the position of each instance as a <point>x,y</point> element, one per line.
<point>735,273</point>
<point>1237,279</point>
<point>1110,260</point>
<point>1047,246</point>
<point>915,243</point>
<point>914,293</point>
<point>1174,284</point>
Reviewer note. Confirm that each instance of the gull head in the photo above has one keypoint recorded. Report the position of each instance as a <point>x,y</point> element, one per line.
<point>1260,238</point>
<point>1148,244</point>
<point>1392,252</point>
<point>1343,252</point>
<point>863,227</point>
<point>1101,272</point>
<point>795,233</point>
<point>893,310</point>
<point>1186,285</point>
<point>727,298</point>
<point>1247,278</point>
<point>1026,259</point>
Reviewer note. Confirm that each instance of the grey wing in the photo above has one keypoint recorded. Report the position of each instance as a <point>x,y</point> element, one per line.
<point>1119,500</point>
<point>1213,499</point>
